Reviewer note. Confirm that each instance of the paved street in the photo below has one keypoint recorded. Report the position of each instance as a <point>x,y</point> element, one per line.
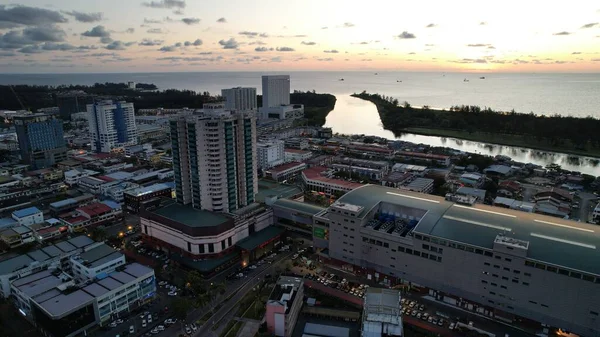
<point>439,308</point>
<point>586,205</point>
<point>240,287</point>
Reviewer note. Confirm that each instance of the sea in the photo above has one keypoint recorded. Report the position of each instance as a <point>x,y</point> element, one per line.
<point>541,93</point>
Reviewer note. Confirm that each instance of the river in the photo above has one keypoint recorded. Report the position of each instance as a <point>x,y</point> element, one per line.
<point>356,116</point>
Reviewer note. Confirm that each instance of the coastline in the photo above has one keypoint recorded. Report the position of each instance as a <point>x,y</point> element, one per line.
<point>484,137</point>
<point>499,139</point>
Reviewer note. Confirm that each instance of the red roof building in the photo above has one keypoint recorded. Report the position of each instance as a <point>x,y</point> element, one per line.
<point>317,180</point>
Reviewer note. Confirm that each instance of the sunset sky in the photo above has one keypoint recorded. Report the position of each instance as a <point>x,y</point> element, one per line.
<point>60,36</point>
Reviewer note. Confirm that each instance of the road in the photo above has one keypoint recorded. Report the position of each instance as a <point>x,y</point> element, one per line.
<point>434,308</point>
<point>239,288</point>
<point>586,205</point>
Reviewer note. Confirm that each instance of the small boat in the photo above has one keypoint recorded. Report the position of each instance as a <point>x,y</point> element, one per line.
<point>465,80</point>
<point>341,79</point>
<point>398,81</point>
<point>482,78</point>
<point>375,73</point>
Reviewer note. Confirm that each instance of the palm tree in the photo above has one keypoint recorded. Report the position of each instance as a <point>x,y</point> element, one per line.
<point>98,233</point>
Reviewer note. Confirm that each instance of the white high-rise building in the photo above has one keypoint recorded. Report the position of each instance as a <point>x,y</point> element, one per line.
<point>112,125</point>
<point>270,153</point>
<point>214,159</point>
<point>275,90</point>
<point>240,99</point>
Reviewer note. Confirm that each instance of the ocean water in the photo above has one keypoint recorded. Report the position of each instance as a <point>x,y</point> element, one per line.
<point>547,94</point>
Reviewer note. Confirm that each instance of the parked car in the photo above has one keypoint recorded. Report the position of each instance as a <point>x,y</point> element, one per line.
<point>131,329</point>
<point>451,327</point>
<point>143,323</point>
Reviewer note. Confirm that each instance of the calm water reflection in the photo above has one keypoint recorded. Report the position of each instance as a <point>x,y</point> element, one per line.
<point>355,116</point>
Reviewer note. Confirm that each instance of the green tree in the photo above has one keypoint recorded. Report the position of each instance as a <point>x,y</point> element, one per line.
<point>195,282</point>
<point>98,233</point>
<point>181,306</point>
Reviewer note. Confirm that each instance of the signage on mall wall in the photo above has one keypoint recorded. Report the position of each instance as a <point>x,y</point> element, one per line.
<point>321,233</point>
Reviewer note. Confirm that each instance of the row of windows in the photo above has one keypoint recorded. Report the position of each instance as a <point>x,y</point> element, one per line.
<point>506,269</point>
<point>421,254</point>
<point>375,242</point>
<point>433,249</point>
<point>562,271</point>
<point>514,280</point>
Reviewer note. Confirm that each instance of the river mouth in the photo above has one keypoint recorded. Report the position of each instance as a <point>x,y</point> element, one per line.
<point>356,116</point>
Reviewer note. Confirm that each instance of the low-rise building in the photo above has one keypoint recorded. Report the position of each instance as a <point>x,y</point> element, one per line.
<point>596,213</point>
<point>421,185</point>
<point>472,179</point>
<point>97,185</point>
<point>269,153</point>
<point>294,111</point>
<point>514,204</point>
<point>16,236</point>
<point>31,262</point>
<point>67,205</point>
<point>437,159</point>
<point>72,177</point>
<point>28,216</point>
<point>48,230</point>
<point>96,263</point>
<point>319,179</point>
<point>408,168</point>
<point>146,197</point>
<point>295,155</point>
<point>93,215</point>
<point>288,171</point>
<point>58,305</point>
<point>477,193</point>
<point>382,313</point>
<point>358,170</point>
<point>283,306</point>
<point>297,143</point>
<point>9,145</point>
<point>116,193</point>
<point>498,170</point>
<point>396,179</point>
<point>370,150</point>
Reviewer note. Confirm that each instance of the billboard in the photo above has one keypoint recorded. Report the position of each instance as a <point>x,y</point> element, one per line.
<point>321,233</point>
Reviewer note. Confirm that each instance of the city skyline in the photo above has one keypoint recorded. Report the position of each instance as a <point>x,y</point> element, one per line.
<point>179,35</point>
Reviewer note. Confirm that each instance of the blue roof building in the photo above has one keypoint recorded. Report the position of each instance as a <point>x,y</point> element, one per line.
<point>26,212</point>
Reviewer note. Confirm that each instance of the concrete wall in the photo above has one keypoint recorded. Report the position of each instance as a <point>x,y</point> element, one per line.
<point>547,297</point>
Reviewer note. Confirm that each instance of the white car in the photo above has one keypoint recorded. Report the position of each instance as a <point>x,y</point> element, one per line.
<point>162,283</point>
<point>149,318</point>
<point>113,325</point>
<point>451,327</point>
<point>194,327</point>
<point>161,328</point>
<point>143,323</point>
<point>170,321</point>
<point>154,331</point>
<point>172,293</point>
<point>131,329</point>
<point>188,331</point>
<point>119,321</point>
<point>252,267</point>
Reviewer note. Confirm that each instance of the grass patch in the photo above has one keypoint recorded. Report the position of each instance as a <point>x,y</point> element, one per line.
<point>255,311</point>
<point>504,139</point>
<point>235,329</point>
<point>205,317</point>
<point>227,328</point>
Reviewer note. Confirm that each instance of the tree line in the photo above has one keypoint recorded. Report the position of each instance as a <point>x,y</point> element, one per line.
<point>34,97</point>
<point>557,130</point>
